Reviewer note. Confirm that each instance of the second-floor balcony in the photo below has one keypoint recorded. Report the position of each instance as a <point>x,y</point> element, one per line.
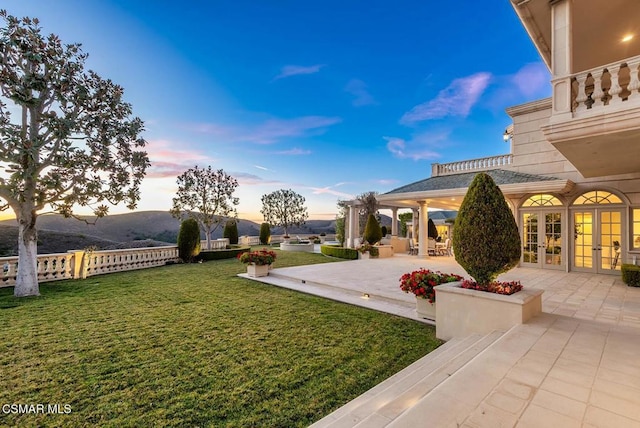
<point>595,120</point>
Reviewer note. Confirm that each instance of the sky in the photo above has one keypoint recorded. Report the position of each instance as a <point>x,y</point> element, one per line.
<point>328,98</point>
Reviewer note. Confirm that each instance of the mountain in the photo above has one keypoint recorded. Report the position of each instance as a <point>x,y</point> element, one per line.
<point>58,234</point>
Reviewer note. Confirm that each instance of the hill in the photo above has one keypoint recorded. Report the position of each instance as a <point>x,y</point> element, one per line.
<point>58,234</point>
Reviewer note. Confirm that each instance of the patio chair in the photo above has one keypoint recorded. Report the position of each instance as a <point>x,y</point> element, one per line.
<point>431,247</point>
<point>413,250</point>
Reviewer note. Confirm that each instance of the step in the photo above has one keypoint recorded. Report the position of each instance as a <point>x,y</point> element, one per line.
<point>387,400</point>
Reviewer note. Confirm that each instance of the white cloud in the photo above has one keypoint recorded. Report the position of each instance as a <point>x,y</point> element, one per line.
<point>295,70</point>
<point>532,79</point>
<point>296,151</point>
<point>358,89</point>
<point>330,191</point>
<point>420,146</point>
<point>457,99</point>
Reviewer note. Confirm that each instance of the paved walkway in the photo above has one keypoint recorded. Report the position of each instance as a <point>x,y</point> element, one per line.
<point>578,364</point>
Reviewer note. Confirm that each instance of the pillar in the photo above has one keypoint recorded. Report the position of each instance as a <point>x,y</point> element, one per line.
<point>394,222</point>
<point>561,64</point>
<point>351,235</point>
<point>423,232</point>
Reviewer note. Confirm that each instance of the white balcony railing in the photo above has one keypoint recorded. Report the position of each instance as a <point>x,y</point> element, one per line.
<point>80,264</point>
<point>606,87</point>
<point>481,164</point>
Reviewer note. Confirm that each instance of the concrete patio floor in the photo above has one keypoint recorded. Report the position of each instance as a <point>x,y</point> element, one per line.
<point>578,364</point>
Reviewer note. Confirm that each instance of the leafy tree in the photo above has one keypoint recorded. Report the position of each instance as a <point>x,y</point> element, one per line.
<point>188,240</point>
<point>207,197</point>
<point>384,231</point>
<point>284,208</point>
<point>340,230</point>
<point>231,232</point>
<point>265,233</point>
<point>404,218</point>
<point>68,138</point>
<point>486,241</point>
<point>368,204</point>
<point>372,231</point>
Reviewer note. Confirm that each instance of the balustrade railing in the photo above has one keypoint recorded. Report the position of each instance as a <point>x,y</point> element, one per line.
<point>80,264</point>
<point>216,244</point>
<point>481,164</point>
<point>607,86</point>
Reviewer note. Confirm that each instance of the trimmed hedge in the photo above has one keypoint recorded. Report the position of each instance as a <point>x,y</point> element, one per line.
<point>631,275</point>
<point>222,254</point>
<point>339,252</point>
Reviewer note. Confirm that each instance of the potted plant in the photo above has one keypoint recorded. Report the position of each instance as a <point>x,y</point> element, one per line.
<point>258,261</point>
<point>421,282</point>
<point>367,250</point>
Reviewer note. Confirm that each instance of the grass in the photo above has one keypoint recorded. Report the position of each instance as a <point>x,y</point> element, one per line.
<point>193,345</point>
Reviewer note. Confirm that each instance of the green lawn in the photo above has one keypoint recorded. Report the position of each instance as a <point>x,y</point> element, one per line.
<point>193,345</point>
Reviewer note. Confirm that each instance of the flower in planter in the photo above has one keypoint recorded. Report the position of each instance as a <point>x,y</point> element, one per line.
<point>421,282</point>
<point>494,287</point>
<point>368,248</point>
<point>258,257</point>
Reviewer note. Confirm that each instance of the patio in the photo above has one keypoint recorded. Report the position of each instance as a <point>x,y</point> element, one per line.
<point>575,365</point>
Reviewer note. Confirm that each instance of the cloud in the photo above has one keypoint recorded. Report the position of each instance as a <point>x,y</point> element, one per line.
<point>294,152</point>
<point>245,178</point>
<point>295,70</point>
<point>329,190</point>
<point>385,182</point>
<point>419,147</point>
<point>358,89</point>
<point>262,168</point>
<point>269,131</point>
<point>457,99</point>
<point>167,161</point>
<point>532,79</point>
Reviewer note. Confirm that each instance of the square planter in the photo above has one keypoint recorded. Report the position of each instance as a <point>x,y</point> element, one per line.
<point>257,270</point>
<point>462,312</point>
<point>424,309</point>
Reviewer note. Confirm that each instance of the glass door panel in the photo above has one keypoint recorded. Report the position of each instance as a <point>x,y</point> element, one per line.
<point>530,238</point>
<point>583,239</point>
<point>553,239</point>
<point>610,238</point>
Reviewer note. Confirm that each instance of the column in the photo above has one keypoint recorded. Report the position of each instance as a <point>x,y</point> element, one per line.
<point>423,232</point>
<point>394,222</point>
<point>351,225</point>
<point>414,222</point>
<point>561,67</point>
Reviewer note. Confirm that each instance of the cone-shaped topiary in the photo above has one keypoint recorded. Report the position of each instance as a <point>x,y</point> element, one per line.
<point>265,233</point>
<point>372,231</point>
<point>432,230</point>
<point>188,240</point>
<point>486,241</point>
<point>231,232</point>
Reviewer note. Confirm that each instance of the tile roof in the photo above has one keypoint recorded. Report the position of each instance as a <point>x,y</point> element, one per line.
<point>458,181</point>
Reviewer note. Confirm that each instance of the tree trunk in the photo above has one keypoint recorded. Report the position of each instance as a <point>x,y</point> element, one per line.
<point>27,276</point>
<point>208,239</point>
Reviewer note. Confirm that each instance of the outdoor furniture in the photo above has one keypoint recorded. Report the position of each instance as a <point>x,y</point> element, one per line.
<point>431,247</point>
<point>413,250</point>
<point>444,248</point>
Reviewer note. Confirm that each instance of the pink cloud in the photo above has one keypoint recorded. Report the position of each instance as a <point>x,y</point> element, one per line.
<point>419,147</point>
<point>358,89</point>
<point>457,99</point>
<point>296,151</point>
<point>532,79</point>
<point>167,161</point>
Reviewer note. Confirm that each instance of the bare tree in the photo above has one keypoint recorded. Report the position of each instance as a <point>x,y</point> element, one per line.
<point>284,208</point>
<point>207,197</point>
<point>68,138</point>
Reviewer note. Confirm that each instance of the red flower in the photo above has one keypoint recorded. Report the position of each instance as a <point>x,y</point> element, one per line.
<point>422,281</point>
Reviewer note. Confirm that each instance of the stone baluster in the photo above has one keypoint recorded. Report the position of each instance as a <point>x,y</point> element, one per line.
<point>581,97</point>
<point>598,93</point>
<point>634,83</point>
<point>615,89</point>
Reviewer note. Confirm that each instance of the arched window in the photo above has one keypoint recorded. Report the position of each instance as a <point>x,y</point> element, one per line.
<point>542,200</point>
<point>596,197</point>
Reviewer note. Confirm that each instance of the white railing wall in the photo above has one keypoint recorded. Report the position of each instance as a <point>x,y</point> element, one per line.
<point>481,164</point>
<point>216,244</point>
<point>81,264</point>
<point>606,87</point>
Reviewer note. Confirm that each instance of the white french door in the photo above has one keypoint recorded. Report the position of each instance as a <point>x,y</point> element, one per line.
<point>542,239</point>
<point>597,238</point>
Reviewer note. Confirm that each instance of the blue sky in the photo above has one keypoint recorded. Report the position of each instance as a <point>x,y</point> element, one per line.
<point>330,98</point>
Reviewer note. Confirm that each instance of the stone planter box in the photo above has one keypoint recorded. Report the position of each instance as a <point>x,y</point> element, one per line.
<point>257,271</point>
<point>385,251</point>
<point>462,312</point>
<point>424,309</point>
<point>307,248</point>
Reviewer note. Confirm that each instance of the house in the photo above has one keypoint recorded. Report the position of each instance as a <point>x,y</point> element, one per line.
<point>572,176</point>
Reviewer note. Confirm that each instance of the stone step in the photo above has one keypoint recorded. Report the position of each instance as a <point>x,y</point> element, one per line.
<point>387,400</point>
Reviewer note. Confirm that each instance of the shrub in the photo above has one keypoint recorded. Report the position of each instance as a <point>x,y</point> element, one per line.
<point>340,230</point>
<point>486,241</point>
<point>372,232</point>
<point>231,232</point>
<point>631,275</point>
<point>222,254</point>
<point>188,240</point>
<point>265,233</point>
<point>339,252</point>
<point>384,231</point>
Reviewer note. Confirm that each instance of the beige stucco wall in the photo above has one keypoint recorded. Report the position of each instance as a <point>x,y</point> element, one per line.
<point>533,154</point>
